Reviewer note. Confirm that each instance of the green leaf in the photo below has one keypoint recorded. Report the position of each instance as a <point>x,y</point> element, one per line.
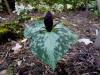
<point>32,28</point>
<point>92,5</point>
<point>49,47</point>
<point>10,70</point>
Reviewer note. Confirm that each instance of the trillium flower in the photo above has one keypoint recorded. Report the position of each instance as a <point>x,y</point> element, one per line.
<point>48,21</point>
<point>48,42</point>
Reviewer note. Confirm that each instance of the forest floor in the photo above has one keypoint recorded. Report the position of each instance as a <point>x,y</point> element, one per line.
<point>81,59</point>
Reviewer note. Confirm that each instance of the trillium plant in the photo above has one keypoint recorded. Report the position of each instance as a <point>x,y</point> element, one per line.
<point>49,40</point>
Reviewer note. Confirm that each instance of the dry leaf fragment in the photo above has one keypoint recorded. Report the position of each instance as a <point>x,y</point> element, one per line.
<point>4,72</point>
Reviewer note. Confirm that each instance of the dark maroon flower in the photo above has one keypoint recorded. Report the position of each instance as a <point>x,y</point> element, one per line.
<point>48,21</point>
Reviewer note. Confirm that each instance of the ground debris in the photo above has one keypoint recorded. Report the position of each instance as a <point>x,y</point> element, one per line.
<point>81,59</point>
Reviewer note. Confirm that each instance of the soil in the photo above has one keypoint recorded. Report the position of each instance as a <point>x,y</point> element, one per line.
<point>81,59</point>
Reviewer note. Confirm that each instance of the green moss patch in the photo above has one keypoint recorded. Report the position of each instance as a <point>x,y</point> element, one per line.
<point>3,34</point>
<point>9,24</point>
<point>10,30</point>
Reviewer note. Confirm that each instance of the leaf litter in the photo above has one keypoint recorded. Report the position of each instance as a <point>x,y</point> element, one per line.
<point>81,59</point>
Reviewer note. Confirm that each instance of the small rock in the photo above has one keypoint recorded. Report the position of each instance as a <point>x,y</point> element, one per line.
<point>19,62</point>
<point>18,46</point>
<point>4,72</point>
<point>74,24</point>
<point>31,19</point>
<point>63,18</point>
<point>86,41</point>
<point>94,73</point>
<point>96,32</point>
<point>24,40</point>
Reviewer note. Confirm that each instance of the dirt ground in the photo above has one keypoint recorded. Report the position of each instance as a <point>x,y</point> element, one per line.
<point>81,59</point>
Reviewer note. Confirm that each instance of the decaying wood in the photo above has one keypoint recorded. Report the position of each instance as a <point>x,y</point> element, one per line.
<point>97,41</point>
<point>8,7</point>
<point>98,3</point>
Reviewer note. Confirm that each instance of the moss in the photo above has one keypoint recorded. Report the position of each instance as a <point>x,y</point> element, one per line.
<point>12,26</point>
<point>9,24</point>
<point>20,34</point>
<point>25,18</point>
<point>3,30</point>
<point>42,17</point>
<point>10,30</point>
<point>35,18</point>
<point>3,34</point>
<point>67,23</point>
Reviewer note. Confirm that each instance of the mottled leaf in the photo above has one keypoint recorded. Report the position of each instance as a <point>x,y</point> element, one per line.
<point>49,47</point>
